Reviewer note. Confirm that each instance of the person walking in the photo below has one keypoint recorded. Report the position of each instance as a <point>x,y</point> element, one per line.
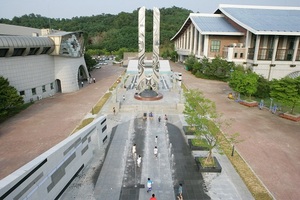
<point>159,119</point>
<point>81,83</point>
<point>114,110</point>
<point>149,185</point>
<point>123,97</point>
<point>156,139</point>
<point>139,161</point>
<point>134,149</point>
<point>179,196</point>
<point>153,197</point>
<point>155,151</point>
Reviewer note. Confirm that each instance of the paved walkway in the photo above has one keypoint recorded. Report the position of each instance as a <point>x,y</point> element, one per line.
<point>49,121</point>
<point>119,176</point>
<point>271,145</point>
<point>270,140</point>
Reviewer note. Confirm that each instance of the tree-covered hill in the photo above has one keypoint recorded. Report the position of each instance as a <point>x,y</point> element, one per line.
<point>111,32</point>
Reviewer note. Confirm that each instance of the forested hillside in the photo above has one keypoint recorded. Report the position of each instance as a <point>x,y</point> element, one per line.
<point>111,32</point>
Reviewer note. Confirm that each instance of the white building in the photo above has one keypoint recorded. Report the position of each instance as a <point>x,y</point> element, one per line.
<point>40,63</point>
<point>262,38</point>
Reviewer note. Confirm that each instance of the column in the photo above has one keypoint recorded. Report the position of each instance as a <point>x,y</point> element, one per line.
<point>205,48</point>
<point>191,39</point>
<point>195,41</point>
<point>275,45</point>
<point>256,48</point>
<point>296,45</point>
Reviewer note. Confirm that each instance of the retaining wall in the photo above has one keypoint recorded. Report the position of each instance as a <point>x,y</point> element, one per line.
<point>48,175</point>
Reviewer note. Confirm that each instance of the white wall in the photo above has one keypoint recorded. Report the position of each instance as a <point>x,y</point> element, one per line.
<point>47,175</point>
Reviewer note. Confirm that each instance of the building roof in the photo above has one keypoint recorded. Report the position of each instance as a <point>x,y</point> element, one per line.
<point>267,20</point>
<point>25,41</point>
<point>6,29</point>
<point>209,24</point>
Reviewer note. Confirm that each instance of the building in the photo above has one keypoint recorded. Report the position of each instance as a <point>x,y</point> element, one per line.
<point>262,38</point>
<point>41,62</point>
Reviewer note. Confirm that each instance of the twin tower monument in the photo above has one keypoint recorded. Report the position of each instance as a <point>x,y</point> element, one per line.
<point>148,84</point>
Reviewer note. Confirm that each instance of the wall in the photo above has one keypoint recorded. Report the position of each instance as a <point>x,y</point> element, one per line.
<point>27,72</point>
<point>46,176</point>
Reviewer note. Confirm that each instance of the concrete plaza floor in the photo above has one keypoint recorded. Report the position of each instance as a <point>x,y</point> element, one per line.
<point>270,147</point>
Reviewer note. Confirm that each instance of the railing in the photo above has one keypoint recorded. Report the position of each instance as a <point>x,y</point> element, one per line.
<point>250,53</point>
<point>265,54</point>
<point>284,54</point>
<point>298,55</point>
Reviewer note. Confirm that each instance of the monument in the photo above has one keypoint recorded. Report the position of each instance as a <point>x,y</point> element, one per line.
<point>148,84</point>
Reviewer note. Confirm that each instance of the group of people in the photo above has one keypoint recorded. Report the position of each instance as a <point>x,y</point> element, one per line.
<point>155,152</point>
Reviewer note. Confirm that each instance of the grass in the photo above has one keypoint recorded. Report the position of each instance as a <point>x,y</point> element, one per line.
<point>199,142</point>
<point>205,163</point>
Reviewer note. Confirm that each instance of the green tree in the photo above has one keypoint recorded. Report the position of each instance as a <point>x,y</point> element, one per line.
<point>243,83</point>
<point>189,62</point>
<point>286,91</point>
<point>9,98</point>
<point>90,63</point>
<point>202,117</point>
<point>263,88</point>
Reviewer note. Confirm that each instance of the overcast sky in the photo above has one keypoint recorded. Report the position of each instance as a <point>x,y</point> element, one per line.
<point>73,8</point>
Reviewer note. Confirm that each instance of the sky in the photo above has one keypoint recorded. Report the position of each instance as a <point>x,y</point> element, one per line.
<point>76,8</point>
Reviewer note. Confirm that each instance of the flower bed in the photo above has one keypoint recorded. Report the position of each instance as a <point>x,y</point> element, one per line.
<point>295,118</point>
<point>200,146</point>
<point>216,169</point>
<point>249,104</point>
<point>187,130</point>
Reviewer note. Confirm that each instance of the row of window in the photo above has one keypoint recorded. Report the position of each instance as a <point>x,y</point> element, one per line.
<point>20,51</point>
<point>33,90</point>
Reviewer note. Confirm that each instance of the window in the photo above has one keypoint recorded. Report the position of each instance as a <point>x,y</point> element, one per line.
<point>241,55</point>
<point>33,51</point>
<point>45,50</point>
<point>235,55</point>
<point>51,86</point>
<point>22,93</point>
<point>33,91</point>
<point>3,52</point>
<point>44,88</point>
<point>18,51</point>
<point>215,46</point>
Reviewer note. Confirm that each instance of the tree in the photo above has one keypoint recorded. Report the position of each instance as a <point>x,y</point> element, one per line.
<point>286,91</point>
<point>90,63</point>
<point>9,98</point>
<point>243,83</point>
<point>201,115</point>
<point>190,61</point>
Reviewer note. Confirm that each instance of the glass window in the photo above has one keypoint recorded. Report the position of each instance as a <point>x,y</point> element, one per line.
<point>51,86</point>
<point>3,52</point>
<point>215,46</point>
<point>33,90</point>
<point>22,93</point>
<point>18,51</point>
<point>44,88</point>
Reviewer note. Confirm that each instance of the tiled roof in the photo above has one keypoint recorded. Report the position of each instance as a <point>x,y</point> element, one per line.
<point>212,23</point>
<point>264,19</point>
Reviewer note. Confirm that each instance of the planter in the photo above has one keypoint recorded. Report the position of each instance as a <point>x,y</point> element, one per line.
<point>196,148</point>
<point>187,131</point>
<point>216,169</point>
<point>295,118</point>
<point>249,103</point>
